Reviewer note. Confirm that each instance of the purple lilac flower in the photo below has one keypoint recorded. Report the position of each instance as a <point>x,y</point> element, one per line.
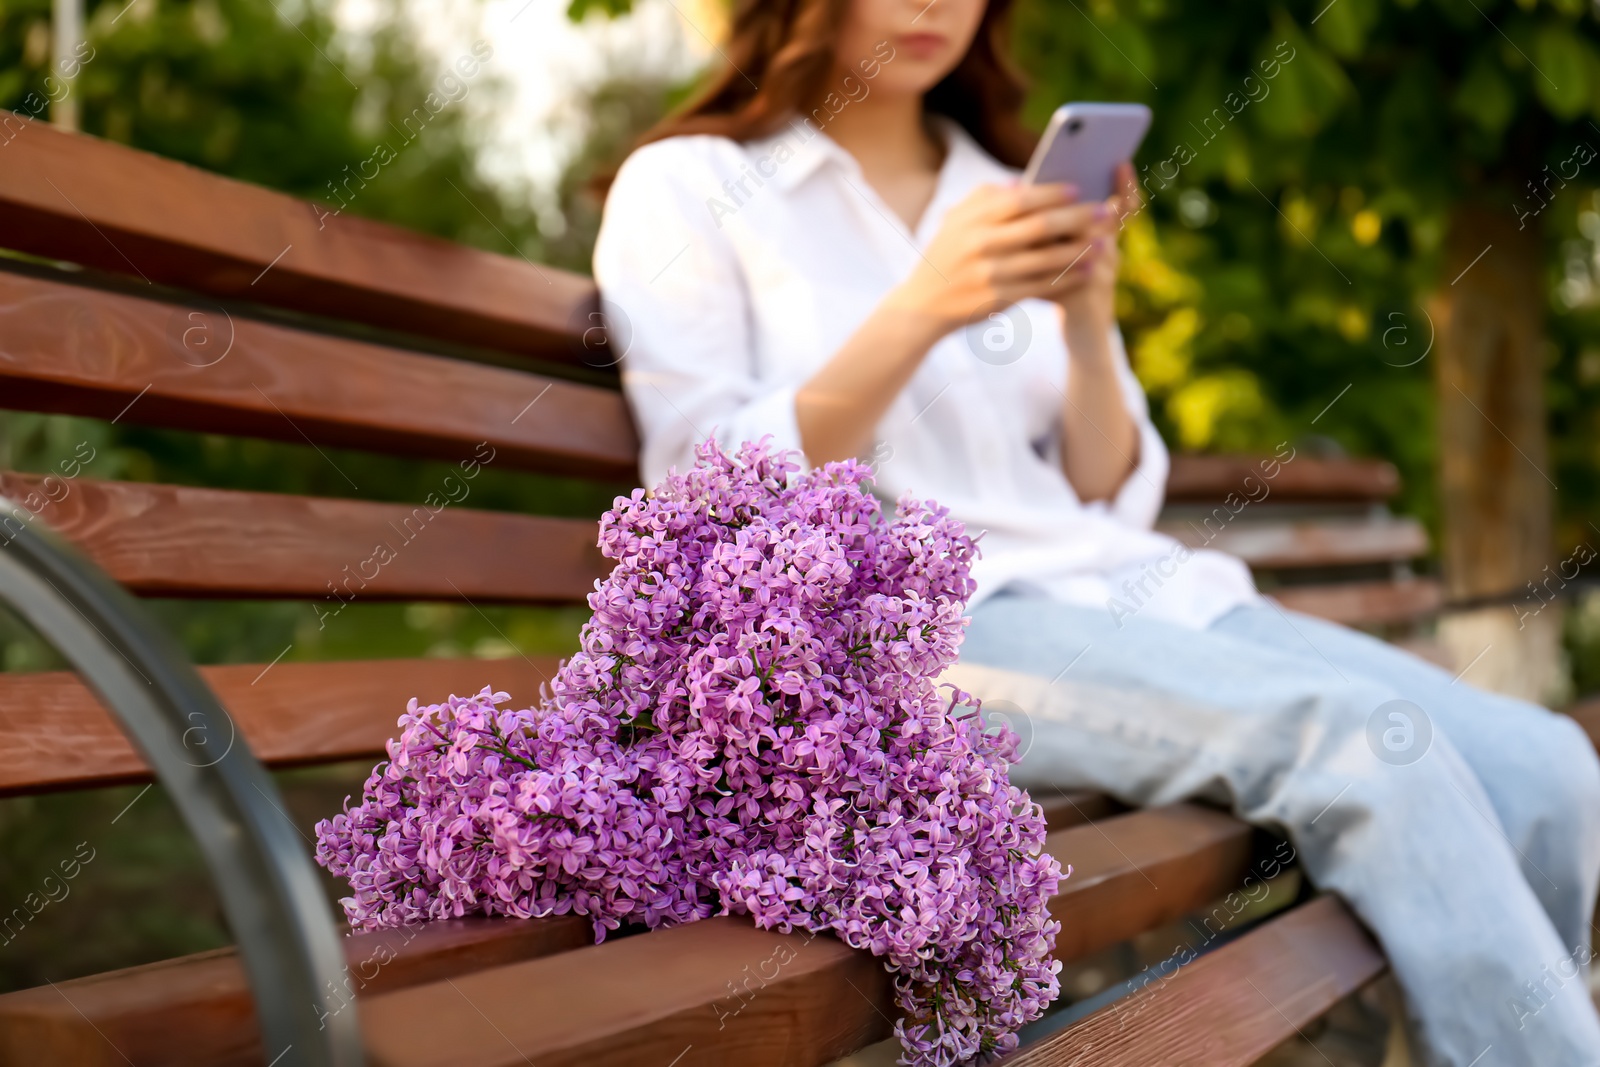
<point>752,727</point>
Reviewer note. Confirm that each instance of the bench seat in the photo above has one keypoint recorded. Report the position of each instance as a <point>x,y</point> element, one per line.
<point>464,992</point>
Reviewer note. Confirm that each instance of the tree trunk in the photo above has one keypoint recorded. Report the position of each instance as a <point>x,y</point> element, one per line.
<point>1496,490</point>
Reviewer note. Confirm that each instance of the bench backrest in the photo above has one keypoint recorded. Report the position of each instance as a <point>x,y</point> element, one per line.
<point>222,307</point>
<point>245,347</point>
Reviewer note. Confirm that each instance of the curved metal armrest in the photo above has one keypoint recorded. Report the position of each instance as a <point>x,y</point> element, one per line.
<point>269,888</point>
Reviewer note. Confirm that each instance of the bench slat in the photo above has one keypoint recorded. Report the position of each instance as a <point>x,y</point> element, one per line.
<point>164,540</point>
<point>1587,714</point>
<point>1130,870</point>
<point>1365,603</point>
<point>207,998</point>
<point>1134,872</point>
<point>198,1009</point>
<point>1231,1006</point>
<point>1064,810</point>
<point>649,999</point>
<point>676,996</point>
<point>104,205</point>
<point>1329,543</point>
<point>56,735</point>
<point>1303,479</point>
<point>71,349</point>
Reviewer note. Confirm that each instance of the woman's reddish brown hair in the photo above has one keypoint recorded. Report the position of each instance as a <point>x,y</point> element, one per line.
<point>781,53</point>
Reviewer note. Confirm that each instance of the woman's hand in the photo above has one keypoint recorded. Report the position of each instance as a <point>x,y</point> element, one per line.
<point>1090,300</point>
<point>1003,244</point>
<point>1099,438</point>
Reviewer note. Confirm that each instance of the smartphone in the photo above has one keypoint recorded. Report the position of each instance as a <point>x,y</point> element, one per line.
<point>1083,145</point>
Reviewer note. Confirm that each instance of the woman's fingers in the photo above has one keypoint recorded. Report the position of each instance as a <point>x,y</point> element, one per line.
<point>1129,200</point>
<point>1000,203</point>
<point>1049,225</point>
<point>1017,242</point>
<point>1050,260</point>
<point>1044,287</point>
<point>1093,264</point>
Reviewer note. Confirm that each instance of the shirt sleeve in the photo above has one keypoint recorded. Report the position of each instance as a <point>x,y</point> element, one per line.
<point>1139,500</point>
<point>669,277</point>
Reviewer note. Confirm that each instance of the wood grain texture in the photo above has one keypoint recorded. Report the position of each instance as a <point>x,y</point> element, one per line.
<point>1229,1007</point>
<point>1131,873</point>
<point>198,1009</point>
<point>176,541</point>
<point>1303,479</point>
<point>71,349</point>
<point>715,992</point>
<point>1074,808</point>
<point>56,735</point>
<point>1365,603</point>
<point>72,197</point>
<point>684,993</point>
<point>1324,543</point>
<point>1586,713</point>
<point>809,999</point>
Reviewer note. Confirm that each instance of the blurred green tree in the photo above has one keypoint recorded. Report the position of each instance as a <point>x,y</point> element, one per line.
<point>609,116</point>
<point>1322,179</point>
<point>268,92</point>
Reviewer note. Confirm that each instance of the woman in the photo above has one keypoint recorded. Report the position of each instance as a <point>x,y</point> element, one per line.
<point>829,247</point>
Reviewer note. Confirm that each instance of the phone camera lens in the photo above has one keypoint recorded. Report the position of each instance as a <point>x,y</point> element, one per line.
<point>1074,125</point>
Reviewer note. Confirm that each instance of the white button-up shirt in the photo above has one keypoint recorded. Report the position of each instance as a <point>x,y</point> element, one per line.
<point>732,272</point>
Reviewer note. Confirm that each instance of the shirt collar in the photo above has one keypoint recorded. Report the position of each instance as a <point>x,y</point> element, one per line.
<point>799,149</point>
<point>966,161</point>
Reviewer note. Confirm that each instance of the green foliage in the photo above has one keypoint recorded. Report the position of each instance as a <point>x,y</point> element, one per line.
<point>1300,176</point>
<point>106,878</point>
<point>1565,64</point>
<point>577,9</point>
<point>610,117</point>
<point>70,868</point>
<point>265,92</point>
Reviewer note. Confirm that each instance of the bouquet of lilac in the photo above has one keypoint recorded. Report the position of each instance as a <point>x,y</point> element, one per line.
<point>752,727</point>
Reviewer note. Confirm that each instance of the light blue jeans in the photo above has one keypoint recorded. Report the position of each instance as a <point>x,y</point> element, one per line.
<point>1473,855</point>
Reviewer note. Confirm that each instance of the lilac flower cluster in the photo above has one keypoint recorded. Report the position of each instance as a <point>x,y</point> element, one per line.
<point>752,727</point>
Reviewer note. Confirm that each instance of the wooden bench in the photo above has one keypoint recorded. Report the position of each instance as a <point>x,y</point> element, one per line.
<point>363,336</point>
<point>1317,533</point>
